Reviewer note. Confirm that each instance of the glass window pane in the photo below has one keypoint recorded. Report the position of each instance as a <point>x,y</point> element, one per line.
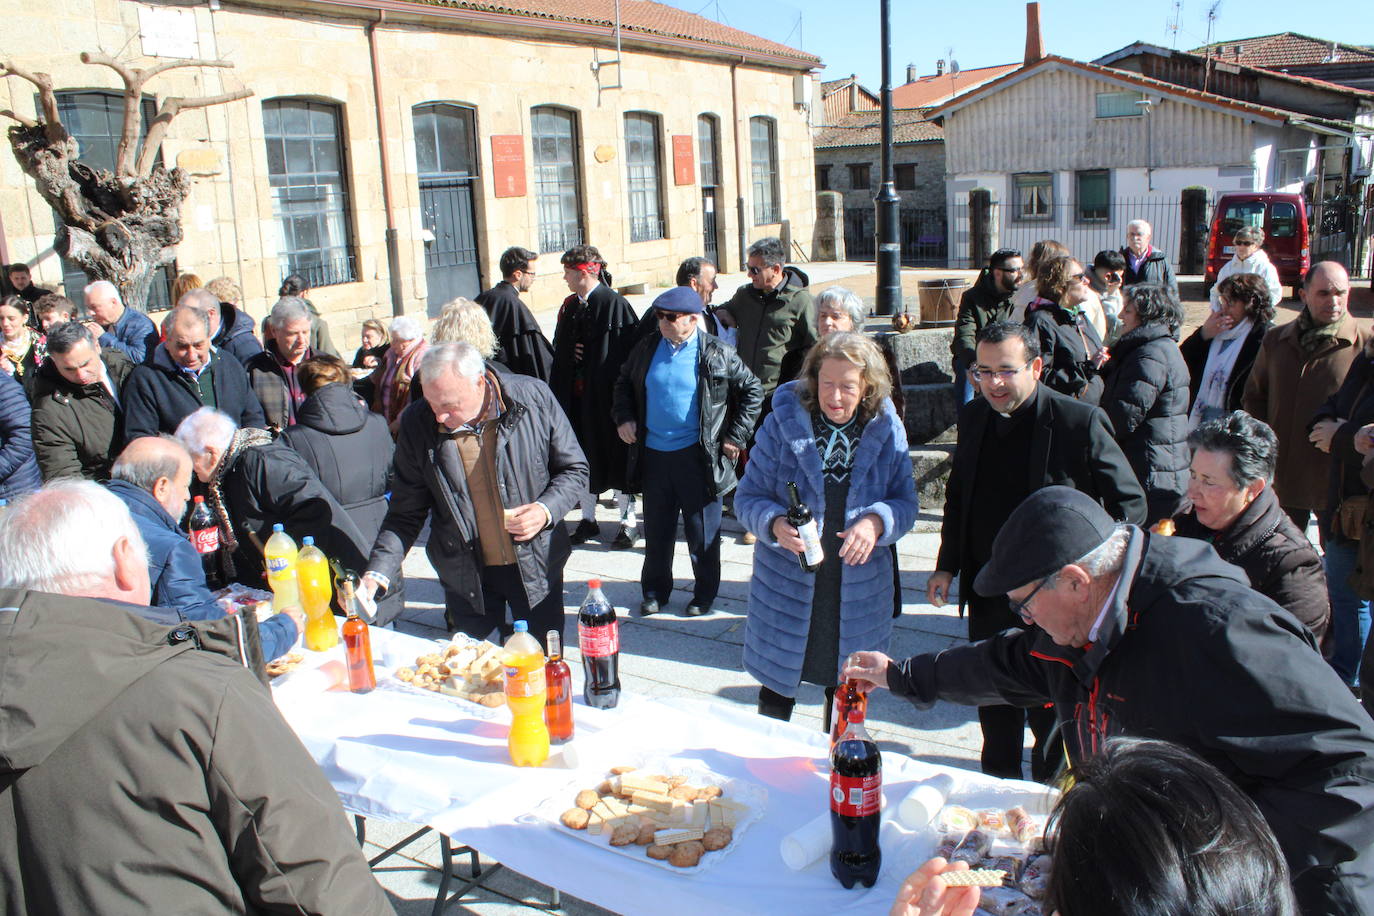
<point>1283,220</point>
<point>1092,195</point>
<point>305,166</point>
<point>295,120</point>
<point>556,184</point>
<point>454,144</point>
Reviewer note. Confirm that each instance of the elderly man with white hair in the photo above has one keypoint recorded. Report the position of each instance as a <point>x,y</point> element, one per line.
<point>272,373</point>
<point>182,374</point>
<point>254,483</point>
<point>113,325</point>
<point>218,806</point>
<point>490,461</point>
<point>231,330</point>
<point>391,380</point>
<point>1144,262</point>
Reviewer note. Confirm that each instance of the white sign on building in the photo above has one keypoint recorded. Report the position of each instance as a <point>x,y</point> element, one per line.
<point>168,32</point>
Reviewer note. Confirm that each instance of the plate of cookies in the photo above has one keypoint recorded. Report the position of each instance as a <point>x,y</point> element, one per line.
<point>462,668</point>
<point>672,814</point>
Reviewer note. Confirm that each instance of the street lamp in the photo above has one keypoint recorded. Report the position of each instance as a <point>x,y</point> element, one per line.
<point>889,246</point>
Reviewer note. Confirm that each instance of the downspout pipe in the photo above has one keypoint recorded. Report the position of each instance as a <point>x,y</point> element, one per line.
<point>739,166</point>
<point>393,245</point>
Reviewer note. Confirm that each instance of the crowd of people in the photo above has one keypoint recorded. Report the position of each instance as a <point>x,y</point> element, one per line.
<point>1088,431</point>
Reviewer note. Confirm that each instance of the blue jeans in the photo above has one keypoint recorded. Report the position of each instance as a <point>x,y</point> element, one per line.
<point>963,388</point>
<point>1349,613</point>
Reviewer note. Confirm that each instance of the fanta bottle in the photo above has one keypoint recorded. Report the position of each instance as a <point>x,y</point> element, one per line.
<point>526,695</point>
<point>312,570</point>
<point>280,556</point>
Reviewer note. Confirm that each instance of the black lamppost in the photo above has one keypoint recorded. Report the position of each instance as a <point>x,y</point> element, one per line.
<point>889,247</point>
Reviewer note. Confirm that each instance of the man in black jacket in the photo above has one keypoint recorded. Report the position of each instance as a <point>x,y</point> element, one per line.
<point>520,343</point>
<point>685,403</point>
<point>1141,635</point>
<point>986,301</point>
<point>489,459</point>
<point>77,419</point>
<point>182,375</point>
<point>1144,262</point>
<point>1018,437</point>
<point>231,329</point>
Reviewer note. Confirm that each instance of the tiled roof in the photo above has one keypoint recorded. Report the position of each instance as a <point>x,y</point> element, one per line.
<point>642,16</point>
<point>864,128</point>
<point>1284,49</point>
<point>937,88</point>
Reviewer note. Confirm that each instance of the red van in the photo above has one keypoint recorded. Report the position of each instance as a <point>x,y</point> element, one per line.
<point>1283,217</point>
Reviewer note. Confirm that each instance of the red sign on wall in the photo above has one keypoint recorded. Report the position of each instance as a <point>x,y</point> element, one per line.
<point>684,168</point>
<point>508,164</point>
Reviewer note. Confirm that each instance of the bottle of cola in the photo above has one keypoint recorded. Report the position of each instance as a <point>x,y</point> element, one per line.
<point>204,531</point>
<point>598,638</point>
<point>856,789</point>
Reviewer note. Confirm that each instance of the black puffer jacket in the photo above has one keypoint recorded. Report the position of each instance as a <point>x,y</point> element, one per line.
<point>78,430</point>
<point>1278,558</point>
<point>235,334</point>
<point>1145,393</point>
<point>1066,346</point>
<point>1155,269</point>
<point>729,397</point>
<point>1189,653</point>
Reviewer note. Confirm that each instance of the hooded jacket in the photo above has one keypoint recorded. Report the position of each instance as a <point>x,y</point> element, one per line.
<point>143,775</point>
<point>235,334</point>
<point>78,430</point>
<point>771,324</point>
<point>159,395</point>
<point>1189,653</point>
<point>1259,264</point>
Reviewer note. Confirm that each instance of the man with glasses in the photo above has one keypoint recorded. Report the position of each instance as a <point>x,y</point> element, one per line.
<point>685,404</point>
<point>520,343</point>
<point>1019,437</point>
<point>986,301</point>
<point>1140,635</point>
<point>772,312</point>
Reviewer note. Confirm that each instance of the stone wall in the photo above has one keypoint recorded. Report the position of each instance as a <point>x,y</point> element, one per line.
<point>928,156</point>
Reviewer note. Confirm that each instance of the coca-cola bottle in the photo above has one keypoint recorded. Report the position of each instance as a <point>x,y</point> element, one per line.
<point>204,530</point>
<point>848,696</point>
<point>598,638</point>
<point>856,788</point>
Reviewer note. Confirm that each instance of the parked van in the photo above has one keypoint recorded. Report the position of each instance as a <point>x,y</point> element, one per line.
<point>1283,217</point>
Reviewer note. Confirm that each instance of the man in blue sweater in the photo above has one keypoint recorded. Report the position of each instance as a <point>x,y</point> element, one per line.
<point>127,330</point>
<point>152,477</point>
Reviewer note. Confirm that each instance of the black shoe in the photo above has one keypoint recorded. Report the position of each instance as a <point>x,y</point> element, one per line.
<point>648,607</point>
<point>585,531</point>
<point>625,540</point>
<point>697,608</point>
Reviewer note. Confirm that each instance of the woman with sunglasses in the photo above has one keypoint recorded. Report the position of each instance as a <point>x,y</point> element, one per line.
<point>1069,342</point>
<point>1249,258</point>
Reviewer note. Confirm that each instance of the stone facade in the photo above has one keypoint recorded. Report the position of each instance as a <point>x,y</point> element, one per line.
<point>322,53</point>
<point>927,156</point>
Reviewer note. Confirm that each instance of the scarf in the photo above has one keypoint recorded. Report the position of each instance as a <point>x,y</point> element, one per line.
<point>15,351</point>
<point>1221,361</point>
<point>1312,336</point>
<point>243,438</point>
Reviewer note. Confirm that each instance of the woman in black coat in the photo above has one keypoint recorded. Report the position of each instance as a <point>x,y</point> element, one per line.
<point>1234,508</point>
<point>1069,344</point>
<point>1145,394</point>
<point>1217,371</point>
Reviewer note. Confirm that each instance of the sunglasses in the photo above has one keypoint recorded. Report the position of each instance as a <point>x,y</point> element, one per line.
<point>670,316</point>
<point>753,271</point>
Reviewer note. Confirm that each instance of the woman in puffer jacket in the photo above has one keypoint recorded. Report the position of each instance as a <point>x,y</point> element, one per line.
<point>1250,258</point>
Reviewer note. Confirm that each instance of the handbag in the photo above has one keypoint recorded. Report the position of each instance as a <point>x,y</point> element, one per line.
<point>1350,516</point>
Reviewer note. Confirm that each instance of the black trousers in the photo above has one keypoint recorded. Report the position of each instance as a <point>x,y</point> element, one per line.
<point>504,601</point>
<point>776,706</point>
<point>676,483</point>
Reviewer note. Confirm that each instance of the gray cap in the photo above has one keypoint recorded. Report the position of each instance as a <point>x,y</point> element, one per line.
<point>1053,527</point>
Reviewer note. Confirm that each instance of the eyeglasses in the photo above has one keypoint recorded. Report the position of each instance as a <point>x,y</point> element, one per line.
<point>1020,608</point>
<point>1002,375</point>
<point>753,271</point>
<point>1083,276</point>
<point>1240,244</point>
<point>1010,270</point>
<point>670,316</point>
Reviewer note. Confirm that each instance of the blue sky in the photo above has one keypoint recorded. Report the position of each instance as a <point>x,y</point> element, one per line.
<point>984,32</point>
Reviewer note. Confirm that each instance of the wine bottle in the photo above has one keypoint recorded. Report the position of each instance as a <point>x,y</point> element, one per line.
<point>799,516</point>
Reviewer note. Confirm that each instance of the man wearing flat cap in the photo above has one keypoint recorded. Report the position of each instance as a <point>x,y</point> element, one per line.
<point>1137,634</point>
<point>685,404</point>
<point>1018,437</point>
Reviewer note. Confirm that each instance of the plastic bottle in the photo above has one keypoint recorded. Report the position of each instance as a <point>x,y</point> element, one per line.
<point>598,639</point>
<point>558,713</point>
<point>280,555</point>
<point>856,791</point>
<point>362,678</point>
<point>312,571</point>
<point>526,697</point>
<point>203,528</point>
<point>847,697</point>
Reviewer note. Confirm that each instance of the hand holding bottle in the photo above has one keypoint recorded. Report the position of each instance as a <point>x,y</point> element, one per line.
<point>787,536</point>
<point>869,669</point>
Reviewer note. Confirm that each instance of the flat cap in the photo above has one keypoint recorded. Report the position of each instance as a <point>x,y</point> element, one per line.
<point>1053,527</point>
<point>681,299</point>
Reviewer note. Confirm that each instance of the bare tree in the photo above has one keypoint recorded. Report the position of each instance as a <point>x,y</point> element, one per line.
<point>123,225</point>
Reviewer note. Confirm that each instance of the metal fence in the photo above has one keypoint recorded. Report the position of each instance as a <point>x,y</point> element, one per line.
<point>923,233</point>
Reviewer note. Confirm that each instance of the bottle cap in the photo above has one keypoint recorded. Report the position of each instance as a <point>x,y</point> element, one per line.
<point>307,541</point>
<point>198,499</point>
<point>278,527</point>
<point>593,583</point>
<point>521,626</point>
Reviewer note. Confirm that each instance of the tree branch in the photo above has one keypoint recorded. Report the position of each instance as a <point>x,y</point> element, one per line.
<point>46,98</point>
<point>182,62</point>
<point>133,115</point>
<point>27,122</point>
<point>171,107</point>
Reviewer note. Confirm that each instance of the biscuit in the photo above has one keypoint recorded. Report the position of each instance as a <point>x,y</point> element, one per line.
<point>575,818</point>
<point>978,877</point>
<point>492,700</point>
<point>709,792</point>
<point>686,855</point>
<point>405,674</point>
<point>625,834</point>
<point>685,793</point>
<point>646,833</point>
<point>617,771</point>
<point>717,838</point>
<point>605,788</point>
<point>675,781</point>
<point>587,799</point>
<point>658,852</point>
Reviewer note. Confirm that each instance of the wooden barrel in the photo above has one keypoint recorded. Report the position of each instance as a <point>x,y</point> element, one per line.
<point>939,300</point>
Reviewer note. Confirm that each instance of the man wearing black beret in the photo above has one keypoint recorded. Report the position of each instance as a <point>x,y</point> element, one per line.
<point>1148,636</point>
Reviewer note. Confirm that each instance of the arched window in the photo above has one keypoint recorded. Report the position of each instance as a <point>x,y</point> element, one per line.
<point>763,157</point>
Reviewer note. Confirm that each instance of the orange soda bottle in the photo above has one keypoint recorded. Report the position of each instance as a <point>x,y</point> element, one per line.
<point>312,572</point>
<point>526,696</point>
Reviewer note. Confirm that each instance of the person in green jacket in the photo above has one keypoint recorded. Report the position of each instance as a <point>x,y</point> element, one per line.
<point>773,314</point>
<point>986,301</point>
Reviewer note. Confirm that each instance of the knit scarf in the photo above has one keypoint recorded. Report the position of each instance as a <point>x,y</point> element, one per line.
<point>243,438</point>
<point>1313,336</point>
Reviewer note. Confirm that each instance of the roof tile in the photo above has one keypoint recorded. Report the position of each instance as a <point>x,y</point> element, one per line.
<point>1284,49</point>
<point>864,128</point>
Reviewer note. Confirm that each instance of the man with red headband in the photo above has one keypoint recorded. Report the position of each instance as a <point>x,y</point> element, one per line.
<point>593,337</point>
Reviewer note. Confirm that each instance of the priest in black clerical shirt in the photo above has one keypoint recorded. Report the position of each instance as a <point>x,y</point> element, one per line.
<point>1018,437</point>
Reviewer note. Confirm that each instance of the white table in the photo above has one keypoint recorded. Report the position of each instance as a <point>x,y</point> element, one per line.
<point>433,760</point>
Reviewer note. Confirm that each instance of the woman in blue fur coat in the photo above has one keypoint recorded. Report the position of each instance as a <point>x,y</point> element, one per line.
<point>835,433</point>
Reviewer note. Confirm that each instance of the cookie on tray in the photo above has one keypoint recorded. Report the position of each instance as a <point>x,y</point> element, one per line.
<point>575,819</point>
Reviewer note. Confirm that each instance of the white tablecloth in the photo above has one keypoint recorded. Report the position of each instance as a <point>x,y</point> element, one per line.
<point>433,760</point>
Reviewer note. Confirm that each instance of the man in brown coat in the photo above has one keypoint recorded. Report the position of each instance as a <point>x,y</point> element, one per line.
<point>1300,365</point>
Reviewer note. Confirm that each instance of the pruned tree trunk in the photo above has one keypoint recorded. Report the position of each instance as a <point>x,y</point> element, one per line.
<point>118,226</point>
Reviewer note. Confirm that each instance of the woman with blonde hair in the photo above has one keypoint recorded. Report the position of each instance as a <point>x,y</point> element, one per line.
<point>183,284</point>
<point>461,321</point>
<point>835,434</point>
<point>1041,253</point>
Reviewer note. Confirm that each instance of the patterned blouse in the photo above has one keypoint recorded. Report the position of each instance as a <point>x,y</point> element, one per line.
<point>837,444</point>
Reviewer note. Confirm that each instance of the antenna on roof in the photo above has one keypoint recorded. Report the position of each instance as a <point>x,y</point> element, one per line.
<point>1174,21</point>
<point>1211,24</point>
<point>953,67</point>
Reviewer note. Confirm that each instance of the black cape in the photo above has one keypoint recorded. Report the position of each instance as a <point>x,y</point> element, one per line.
<point>521,345</point>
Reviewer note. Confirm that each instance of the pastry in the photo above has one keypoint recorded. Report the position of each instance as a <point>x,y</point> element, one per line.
<point>658,852</point>
<point>575,818</point>
<point>587,799</point>
<point>646,833</point>
<point>617,771</point>
<point>686,855</point>
<point>708,792</point>
<point>717,838</point>
<point>625,834</point>
<point>684,792</point>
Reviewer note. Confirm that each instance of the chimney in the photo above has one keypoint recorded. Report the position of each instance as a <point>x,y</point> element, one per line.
<point>853,92</point>
<point>940,67</point>
<point>1035,44</point>
<point>911,73</point>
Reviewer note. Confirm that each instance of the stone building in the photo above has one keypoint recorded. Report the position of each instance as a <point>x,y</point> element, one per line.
<point>392,149</point>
